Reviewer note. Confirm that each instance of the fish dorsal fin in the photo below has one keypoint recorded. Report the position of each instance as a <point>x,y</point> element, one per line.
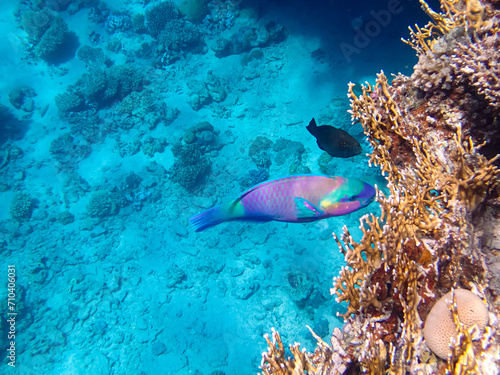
<point>306,209</point>
<point>312,127</point>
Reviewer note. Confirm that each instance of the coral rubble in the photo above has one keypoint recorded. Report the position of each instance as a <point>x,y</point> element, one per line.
<point>435,137</point>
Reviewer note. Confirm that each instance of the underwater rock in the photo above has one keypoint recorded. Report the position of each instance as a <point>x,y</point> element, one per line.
<point>65,218</point>
<point>74,187</point>
<point>204,93</point>
<point>285,149</point>
<point>247,38</point>
<point>244,289</point>
<point>193,10</point>
<point>251,260</point>
<point>324,162</point>
<point>299,287</point>
<point>189,137</point>
<point>200,96</point>
<point>180,230</point>
<point>21,97</point>
<point>236,271</point>
<point>270,303</point>
<point>259,151</point>
<point>204,136</point>
<point>158,348</point>
<point>151,146</point>
<point>174,277</point>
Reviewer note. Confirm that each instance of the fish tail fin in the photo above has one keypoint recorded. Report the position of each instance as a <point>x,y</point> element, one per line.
<point>209,218</point>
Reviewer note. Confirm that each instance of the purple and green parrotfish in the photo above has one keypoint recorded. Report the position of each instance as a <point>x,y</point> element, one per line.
<point>293,199</point>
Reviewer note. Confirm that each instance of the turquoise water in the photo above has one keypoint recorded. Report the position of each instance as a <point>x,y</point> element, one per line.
<point>121,120</point>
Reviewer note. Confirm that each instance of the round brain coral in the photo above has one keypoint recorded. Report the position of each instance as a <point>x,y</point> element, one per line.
<point>439,326</point>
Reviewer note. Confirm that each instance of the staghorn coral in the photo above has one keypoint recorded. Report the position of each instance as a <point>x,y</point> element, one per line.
<point>275,362</point>
<point>470,14</point>
<point>427,239</point>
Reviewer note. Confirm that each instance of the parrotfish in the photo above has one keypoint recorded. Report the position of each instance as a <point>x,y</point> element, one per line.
<point>335,142</point>
<point>293,199</point>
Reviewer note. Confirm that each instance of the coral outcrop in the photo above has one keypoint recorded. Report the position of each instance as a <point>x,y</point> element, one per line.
<point>435,138</point>
<point>47,33</point>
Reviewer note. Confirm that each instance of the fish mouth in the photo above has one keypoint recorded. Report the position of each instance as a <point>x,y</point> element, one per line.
<point>367,195</point>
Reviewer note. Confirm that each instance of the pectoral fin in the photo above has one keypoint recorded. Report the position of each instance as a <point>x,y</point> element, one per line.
<point>306,209</point>
<point>319,145</point>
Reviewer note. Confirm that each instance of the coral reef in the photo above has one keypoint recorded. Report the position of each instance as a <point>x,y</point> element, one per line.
<point>204,136</point>
<point>92,57</point>
<point>254,177</point>
<point>222,14</point>
<point>48,33</point>
<point>179,37</point>
<point>21,206</point>
<point>99,88</point>
<point>101,205</point>
<point>159,15</point>
<point>190,166</point>
<point>428,134</point>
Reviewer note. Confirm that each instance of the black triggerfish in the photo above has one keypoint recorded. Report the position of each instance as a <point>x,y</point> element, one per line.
<point>335,142</point>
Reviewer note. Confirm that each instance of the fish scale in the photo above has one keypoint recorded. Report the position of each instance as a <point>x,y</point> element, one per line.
<point>294,199</point>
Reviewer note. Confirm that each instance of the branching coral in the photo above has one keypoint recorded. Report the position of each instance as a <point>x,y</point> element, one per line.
<point>456,13</point>
<point>425,241</point>
<point>277,363</point>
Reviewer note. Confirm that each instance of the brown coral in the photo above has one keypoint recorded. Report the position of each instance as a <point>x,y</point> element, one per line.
<point>425,242</point>
<point>479,64</point>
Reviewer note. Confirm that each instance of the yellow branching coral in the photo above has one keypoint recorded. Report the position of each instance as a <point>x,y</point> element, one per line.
<point>424,242</point>
<point>468,13</point>
<point>275,362</point>
<point>425,201</point>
